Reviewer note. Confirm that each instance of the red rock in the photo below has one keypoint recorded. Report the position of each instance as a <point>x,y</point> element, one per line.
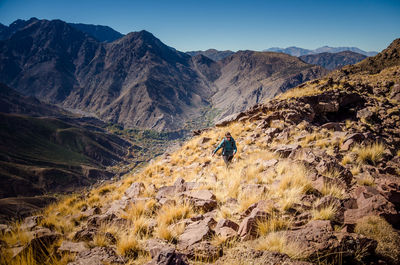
<point>196,232</point>
<point>371,202</point>
<point>248,227</point>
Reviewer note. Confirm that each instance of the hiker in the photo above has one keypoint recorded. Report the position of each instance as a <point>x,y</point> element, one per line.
<point>228,146</point>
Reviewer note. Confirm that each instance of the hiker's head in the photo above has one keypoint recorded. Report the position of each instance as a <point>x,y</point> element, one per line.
<point>228,135</point>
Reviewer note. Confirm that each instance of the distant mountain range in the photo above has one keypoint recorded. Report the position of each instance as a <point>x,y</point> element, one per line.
<point>296,51</point>
<point>137,80</point>
<point>333,61</point>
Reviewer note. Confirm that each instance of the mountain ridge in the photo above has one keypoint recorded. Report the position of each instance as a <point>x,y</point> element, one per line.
<point>296,51</point>
<point>136,80</point>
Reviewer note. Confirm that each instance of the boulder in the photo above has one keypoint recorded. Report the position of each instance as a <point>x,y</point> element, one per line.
<point>85,234</point>
<point>324,107</point>
<point>97,220</point>
<point>39,245</point>
<point>135,190</point>
<point>31,222</point>
<point>201,199</point>
<point>286,150</point>
<point>98,256</point>
<point>154,246</point>
<point>248,227</point>
<point>196,232</point>
<point>168,256</point>
<point>226,223</point>
<point>68,247</point>
<point>315,239</point>
<point>371,202</point>
<point>335,126</point>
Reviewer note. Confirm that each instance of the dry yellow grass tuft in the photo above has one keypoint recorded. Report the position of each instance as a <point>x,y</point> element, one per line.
<point>366,180</point>
<point>369,154</point>
<point>128,245</point>
<point>325,213</point>
<point>273,224</point>
<point>388,239</point>
<point>333,190</point>
<point>276,241</point>
<point>169,214</point>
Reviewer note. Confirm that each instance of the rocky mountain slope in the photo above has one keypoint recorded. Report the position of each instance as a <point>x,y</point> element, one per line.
<point>213,54</point>
<point>315,181</point>
<point>99,32</point>
<point>249,77</point>
<point>332,61</point>
<point>296,51</point>
<point>136,80</point>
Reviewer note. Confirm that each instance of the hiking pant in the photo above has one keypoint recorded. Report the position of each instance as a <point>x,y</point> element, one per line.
<point>227,159</point>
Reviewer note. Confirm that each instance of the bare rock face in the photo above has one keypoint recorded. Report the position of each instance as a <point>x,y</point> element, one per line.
<point>97,256</point>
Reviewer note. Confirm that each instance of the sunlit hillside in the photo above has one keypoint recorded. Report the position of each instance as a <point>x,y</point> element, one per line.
<point>314,181</point>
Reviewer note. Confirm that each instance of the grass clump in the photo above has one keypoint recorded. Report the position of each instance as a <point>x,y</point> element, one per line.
<point>273,224</point>
<point>370,154</point>
<point>169,214</point>
<point>333,190</point>
<point>326,213</point>
<point>277,242</point>
<point>388,239</point>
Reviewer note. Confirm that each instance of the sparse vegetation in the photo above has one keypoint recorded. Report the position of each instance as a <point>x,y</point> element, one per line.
<point>370,154</point>
<point>325,213</point>
<point>388,239</point>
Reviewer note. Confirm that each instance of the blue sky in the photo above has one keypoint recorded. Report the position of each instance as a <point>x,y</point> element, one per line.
<point>235,25</point>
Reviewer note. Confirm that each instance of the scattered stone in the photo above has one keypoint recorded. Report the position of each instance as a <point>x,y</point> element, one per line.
<point>85,234</point>
<point>248,227</point>
<point>31,222</point>
<point>135,190</point>
<point>285,150</point>
<point>335,126</point>
<point>196,232</point>
<point>68,247</point>
<point>168,256</point>
<point>98,256</point>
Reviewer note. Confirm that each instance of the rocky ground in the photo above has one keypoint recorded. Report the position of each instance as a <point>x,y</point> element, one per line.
<point>315,181</point>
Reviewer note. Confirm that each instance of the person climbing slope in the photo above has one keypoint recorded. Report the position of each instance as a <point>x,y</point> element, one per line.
<point>228,146</point>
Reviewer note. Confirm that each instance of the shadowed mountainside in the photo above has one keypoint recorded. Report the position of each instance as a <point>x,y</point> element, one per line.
<point>213,54</point>
<point>135,80</point>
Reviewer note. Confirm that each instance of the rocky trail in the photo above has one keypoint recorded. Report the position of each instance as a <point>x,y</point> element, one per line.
<point>316,181</point>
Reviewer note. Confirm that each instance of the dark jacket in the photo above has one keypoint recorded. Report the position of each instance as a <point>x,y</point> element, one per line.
<point>228,146</point>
